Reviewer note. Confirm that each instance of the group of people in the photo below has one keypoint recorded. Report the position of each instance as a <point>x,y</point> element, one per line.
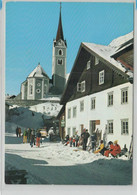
<point>112,149</point>
<point>30,136</point>
<point>76,140</point>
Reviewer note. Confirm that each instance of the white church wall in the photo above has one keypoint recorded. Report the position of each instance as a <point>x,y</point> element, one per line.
<point>103,113</point>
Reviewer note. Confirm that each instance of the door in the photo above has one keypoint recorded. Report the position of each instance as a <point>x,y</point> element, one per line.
<point>92,127</point>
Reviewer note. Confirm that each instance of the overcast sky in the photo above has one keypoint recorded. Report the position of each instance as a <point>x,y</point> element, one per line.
<point>32,26</point>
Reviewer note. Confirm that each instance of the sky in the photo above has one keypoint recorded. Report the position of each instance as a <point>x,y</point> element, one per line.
<point>32,26</point>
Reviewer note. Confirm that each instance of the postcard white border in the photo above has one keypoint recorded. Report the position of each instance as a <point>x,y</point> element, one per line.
<point>62,189</point>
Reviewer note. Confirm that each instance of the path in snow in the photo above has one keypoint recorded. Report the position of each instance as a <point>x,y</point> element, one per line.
<point>54,163</point>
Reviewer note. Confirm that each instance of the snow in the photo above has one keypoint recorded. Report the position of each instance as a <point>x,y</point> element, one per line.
<point>37,72</point>
<point>31,117</point>
<point>54,163</point>
<point>107,51</point>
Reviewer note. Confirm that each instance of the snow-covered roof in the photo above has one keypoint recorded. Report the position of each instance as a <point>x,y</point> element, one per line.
<point>115,46</point>
<point>38,72</point>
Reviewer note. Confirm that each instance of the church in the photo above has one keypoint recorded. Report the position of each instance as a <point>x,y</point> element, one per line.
<point>38,84</point>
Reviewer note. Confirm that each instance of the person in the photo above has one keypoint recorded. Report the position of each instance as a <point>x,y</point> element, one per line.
<point>25,136</point>
<point>93,142</point>
<point>110,149</point>
<point>116,150</point>
<point>85,135</point>
<point>32,138</point>
<point>77,139</point>
<point>73,140</point>
<point>29,134</point>
<point>101,148</point>
<point>38,136</point>
<point>70,141</point>
<point>17,131</point>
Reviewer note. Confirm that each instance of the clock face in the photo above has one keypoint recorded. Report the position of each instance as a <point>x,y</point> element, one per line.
<point>38,84</point>
<point>38,90</point>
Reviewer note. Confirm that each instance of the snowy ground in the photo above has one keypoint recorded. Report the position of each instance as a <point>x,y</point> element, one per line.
<point>54,163</point>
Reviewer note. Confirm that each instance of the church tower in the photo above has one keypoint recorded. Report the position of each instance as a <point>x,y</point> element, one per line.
<point>59,59</point>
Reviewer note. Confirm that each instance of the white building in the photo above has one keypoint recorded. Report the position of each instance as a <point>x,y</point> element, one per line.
<point>99,97</point>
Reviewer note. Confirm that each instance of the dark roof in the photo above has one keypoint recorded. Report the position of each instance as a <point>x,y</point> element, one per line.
<point>60,29</point>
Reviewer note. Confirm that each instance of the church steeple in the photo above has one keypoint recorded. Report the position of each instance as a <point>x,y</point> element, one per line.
<point>60,29</point>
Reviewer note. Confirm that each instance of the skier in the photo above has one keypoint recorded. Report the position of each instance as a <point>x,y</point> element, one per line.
<point>38,136</point>
<point>19,131</point>
<point>93,141</point>
<point>29,134</point>
<point>85,135</point>
<point>70,141</point>
<point>32,138</point>
<point>116,149</point>
<point>25,136</point>
<point>111,147</point>
<point>73,140</point>
<point>77,139</point>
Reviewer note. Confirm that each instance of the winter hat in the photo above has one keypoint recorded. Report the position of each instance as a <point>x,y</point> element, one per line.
<point>115,142</point>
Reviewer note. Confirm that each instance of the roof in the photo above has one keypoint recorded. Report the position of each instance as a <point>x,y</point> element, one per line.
<point>60,29</point>
<point>110,50</point>
<point>104,53</point>
<point>38,72</point>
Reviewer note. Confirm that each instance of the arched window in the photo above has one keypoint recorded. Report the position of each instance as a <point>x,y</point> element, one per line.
<point>60,61</point>
<point>60,52</point>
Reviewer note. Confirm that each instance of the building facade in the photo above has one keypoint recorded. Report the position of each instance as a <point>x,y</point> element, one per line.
<point>38,85</point>
<point>99,92</point>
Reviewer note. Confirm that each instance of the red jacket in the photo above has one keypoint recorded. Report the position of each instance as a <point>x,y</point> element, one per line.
<point>116,150</point>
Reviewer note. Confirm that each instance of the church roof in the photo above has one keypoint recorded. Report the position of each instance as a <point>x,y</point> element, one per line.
<point>38,72</point>
<point>60,29</point>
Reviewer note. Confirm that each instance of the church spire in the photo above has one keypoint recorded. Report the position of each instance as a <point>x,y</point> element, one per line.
<point>60,29</point>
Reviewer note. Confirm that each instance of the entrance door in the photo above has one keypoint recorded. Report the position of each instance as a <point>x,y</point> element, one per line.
<point>92,127</point>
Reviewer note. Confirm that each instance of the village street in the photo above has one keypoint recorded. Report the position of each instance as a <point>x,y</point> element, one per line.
<point>54,163</point>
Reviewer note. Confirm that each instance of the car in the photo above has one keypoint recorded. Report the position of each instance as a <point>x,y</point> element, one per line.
<point>43,133</point>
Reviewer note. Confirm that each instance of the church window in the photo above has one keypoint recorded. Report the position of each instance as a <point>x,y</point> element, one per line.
<point>60,52</point>
<point>38,84</point>
<point>31,89</point>
<point>38,90</point>
<point>60,61</point>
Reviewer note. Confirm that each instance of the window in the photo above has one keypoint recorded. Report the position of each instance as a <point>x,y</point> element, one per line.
<point>110,127</point>
<point>83,86</point>
<point>60,52</point>
<point>31,89</point>
<point>82,106</point>
<point>68,131</point>
<point>96,60</point>
<point>38,90</point>
<point>93,103</point>
<point>79,87</point>
<point>88,65</point>
<point>74,111</point>
<point>124,96</point>
<point>74,131</point>
<point>60,61</point>
<point>101,77</point>
<point>110,99</point>
<point>124,126</point>
<point>69,113</point>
